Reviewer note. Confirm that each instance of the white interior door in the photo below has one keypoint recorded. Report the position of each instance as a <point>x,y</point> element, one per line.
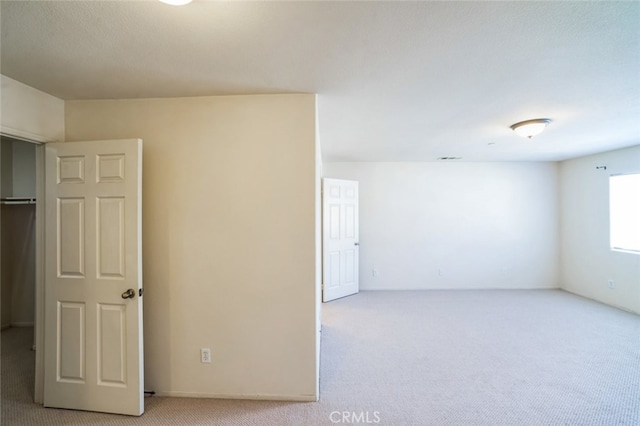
<point>340,244</point>
<point>93,276</point>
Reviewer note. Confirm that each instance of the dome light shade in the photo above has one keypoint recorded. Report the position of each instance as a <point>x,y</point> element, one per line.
<point>530,128</point>
<point>176,2</point>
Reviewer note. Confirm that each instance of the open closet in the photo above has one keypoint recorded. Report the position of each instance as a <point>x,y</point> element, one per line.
<point>18,232</point>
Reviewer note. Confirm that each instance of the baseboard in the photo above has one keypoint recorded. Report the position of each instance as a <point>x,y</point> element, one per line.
<point>290,398</point>
<point>622,308</point>
<point>551,287</point>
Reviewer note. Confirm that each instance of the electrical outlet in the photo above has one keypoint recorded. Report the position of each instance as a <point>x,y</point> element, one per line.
<point>611,284</point>
<point>374,272</point>
<point>440,272</point>
<point>205,356</point>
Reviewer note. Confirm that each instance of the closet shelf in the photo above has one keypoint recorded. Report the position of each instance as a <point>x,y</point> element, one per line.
<point>11,201</point>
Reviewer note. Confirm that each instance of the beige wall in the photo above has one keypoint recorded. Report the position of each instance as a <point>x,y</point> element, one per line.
<point>587,262</point>
<point>229,239</point>
<point>318,190</point>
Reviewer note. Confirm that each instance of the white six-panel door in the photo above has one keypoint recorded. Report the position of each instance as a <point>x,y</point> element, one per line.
<point>340,244</point>
<point>93,327</point>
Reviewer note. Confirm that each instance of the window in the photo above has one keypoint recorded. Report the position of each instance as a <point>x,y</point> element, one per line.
<point>624,212</point>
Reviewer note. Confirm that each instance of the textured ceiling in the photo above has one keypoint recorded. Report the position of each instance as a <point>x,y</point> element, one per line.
<point>397,81</point>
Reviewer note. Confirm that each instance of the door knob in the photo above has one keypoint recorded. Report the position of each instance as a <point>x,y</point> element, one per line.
<point>356,244</point>
<point>129,294</point>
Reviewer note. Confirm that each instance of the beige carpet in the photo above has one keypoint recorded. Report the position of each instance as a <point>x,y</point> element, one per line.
<point>419,358</point>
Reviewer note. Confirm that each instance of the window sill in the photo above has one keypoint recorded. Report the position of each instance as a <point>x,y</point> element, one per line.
<point>619,250</point>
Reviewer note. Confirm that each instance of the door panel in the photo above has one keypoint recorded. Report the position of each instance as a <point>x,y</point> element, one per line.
<point>70,236</point>
<point>93,336</point>
<point>340,239</point>
<point>70,342</point>
<point>112,345</point>
<point>111,237</point>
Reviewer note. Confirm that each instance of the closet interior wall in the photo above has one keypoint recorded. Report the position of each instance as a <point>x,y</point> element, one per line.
<point>17,232</point>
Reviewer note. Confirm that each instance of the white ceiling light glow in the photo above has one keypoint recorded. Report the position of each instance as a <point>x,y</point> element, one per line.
<point>530,128</point>
<point>176,2</point>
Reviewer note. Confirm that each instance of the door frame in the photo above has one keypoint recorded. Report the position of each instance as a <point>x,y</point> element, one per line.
<point>38,328</point>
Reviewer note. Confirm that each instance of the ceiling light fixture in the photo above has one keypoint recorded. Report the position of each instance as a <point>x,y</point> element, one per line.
<point>176,2</point>
<point>530,128</point>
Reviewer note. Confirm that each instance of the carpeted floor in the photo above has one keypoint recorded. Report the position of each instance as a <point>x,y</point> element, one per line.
<point>418,358</point>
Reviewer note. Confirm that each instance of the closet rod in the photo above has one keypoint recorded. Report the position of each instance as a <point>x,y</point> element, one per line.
<point>12,201</point>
